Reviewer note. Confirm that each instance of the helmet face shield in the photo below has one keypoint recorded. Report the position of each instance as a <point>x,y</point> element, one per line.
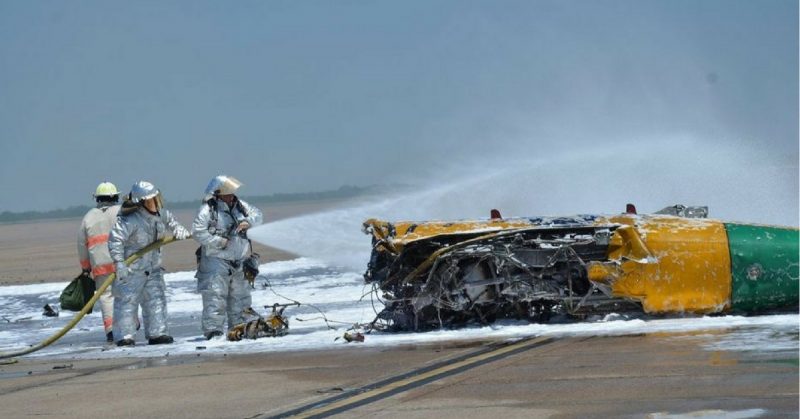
<point>157,203</point>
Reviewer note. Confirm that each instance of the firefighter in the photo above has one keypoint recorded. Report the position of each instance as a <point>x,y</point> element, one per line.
<point>93,246</point>
<point>221,229</point>
<point>141,221</point>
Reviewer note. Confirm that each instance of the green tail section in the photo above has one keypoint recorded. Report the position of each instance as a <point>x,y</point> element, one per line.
<point>764,267</point>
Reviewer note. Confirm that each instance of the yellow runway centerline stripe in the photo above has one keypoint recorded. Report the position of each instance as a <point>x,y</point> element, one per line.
<point>394,387</point>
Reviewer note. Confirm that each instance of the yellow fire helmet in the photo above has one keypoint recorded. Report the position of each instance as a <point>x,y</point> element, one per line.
<point>106,189</point>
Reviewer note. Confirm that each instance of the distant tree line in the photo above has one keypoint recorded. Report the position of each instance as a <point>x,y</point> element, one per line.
<point>80,210</point>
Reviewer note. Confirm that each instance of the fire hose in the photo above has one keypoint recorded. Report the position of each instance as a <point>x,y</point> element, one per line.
<point>132,258</point>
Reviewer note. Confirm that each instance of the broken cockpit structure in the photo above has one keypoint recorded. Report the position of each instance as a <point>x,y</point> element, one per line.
<point>445,274</point>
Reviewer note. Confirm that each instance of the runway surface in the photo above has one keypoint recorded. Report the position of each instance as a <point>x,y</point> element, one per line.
<point>659,375</point>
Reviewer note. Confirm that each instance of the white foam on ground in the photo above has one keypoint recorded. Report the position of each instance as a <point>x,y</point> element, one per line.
<point>338,294</point>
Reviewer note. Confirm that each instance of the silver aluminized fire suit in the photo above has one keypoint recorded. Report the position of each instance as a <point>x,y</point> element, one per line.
<point>144,284</point>
<point>93,252</point>
<point>220,277</point>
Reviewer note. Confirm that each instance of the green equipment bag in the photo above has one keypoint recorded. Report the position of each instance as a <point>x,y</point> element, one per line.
<point>77,293</point>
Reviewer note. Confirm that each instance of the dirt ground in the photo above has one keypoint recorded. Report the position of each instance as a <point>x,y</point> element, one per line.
<point>46,251</point>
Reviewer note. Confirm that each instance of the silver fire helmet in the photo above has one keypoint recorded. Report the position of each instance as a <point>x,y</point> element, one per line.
<point>222,185</point>
<point>143,190</point>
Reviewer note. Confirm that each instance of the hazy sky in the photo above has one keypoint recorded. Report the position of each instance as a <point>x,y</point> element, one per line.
<point>307,96</point>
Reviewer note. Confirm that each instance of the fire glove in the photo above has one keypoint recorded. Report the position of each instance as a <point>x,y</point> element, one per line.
<point>243,226</point>
<point>181,234</point>
<point>122,271</point>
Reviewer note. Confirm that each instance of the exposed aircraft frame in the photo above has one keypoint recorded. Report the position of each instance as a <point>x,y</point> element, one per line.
<point>446,274</point>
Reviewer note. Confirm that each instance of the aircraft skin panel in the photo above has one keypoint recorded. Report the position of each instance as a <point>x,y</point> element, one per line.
<point>764,263</point>
<point>687,268</point>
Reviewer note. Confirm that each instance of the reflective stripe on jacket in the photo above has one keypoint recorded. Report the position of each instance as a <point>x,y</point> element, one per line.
<point>93,239</point>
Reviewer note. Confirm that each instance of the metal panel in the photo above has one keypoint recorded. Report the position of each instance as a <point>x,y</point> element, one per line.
<point>687,269</point>
<point>764,265</point>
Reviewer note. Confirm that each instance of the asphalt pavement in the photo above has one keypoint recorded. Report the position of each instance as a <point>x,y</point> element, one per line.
<point>653,375</point>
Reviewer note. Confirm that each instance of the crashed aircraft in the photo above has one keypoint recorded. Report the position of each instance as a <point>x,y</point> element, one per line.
<point>447,274</point>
